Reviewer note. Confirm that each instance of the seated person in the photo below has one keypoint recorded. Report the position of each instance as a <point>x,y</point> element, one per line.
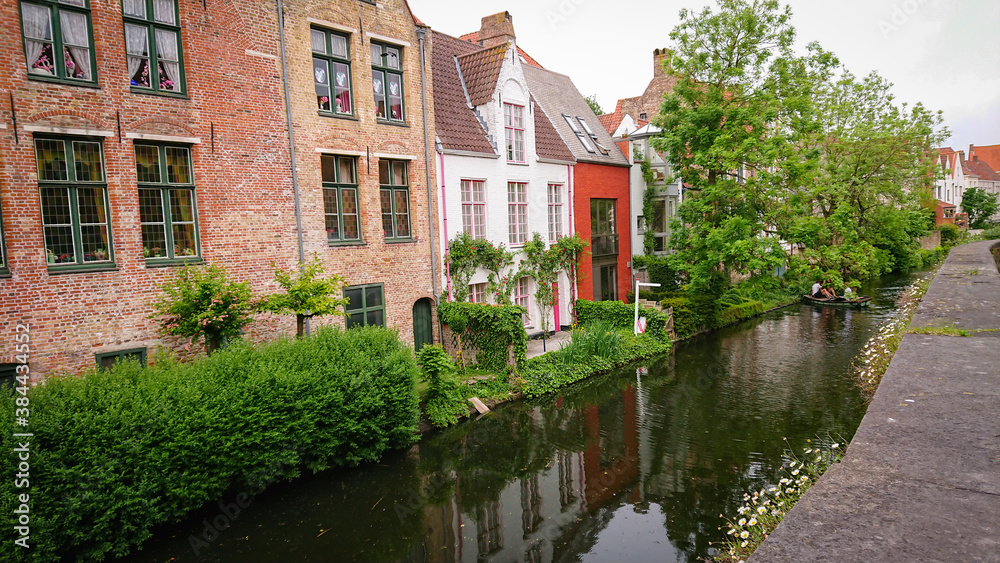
<point>817,290</point>
<point>849,293</point>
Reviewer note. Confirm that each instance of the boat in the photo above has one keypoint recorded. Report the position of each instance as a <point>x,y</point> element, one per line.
<point>860,301</point>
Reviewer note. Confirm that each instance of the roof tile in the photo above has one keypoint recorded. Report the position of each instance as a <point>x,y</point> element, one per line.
<point>456,124</point>
<point>481,69</point>
<point>548,143</point>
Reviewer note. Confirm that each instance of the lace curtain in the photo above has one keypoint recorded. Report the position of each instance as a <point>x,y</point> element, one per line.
<point>136,48</point>
<point>163,11</point>
<point>36,26</point>
<point>166,48</point>
<point>76,41</point>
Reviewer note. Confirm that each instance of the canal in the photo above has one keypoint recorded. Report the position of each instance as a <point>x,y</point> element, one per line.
<point>636,465</point>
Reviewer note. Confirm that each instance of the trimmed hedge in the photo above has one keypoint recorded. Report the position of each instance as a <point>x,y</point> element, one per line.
<point>116,453</point>
<point>621,315</point>
<point>730,315</point>
<point>692,314</point>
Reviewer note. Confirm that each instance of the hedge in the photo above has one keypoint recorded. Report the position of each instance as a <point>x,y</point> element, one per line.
<point>116,453</point>
<point>493,330</point>
<point>621,315</point>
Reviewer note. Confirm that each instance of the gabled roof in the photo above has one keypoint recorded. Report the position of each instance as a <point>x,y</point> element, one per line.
<point>990,154</point>
<point>612,120</point>
<point>558,96</point>
<point>455,123</point>
<point>481,69</point>
<point>474,37</point>
<point>548,143</point>
<point>983,170</point>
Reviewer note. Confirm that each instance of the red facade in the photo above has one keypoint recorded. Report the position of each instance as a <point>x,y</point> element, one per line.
<point>601,181</point>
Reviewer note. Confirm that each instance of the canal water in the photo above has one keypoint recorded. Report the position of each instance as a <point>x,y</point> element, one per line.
<point>637,465</point>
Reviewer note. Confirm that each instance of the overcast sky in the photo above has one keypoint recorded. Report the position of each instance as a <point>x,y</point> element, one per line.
<point>943,53</point>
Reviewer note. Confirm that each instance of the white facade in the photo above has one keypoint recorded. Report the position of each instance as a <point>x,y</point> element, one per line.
<point>495,173</point>
<point>668,199</point>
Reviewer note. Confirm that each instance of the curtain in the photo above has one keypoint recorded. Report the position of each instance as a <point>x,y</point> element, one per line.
<point>36,26</point>
<point>163,11</point>
<point>136,8</point>
<point>136,44</point>
<point>76,40</point>
<point>166,48</point>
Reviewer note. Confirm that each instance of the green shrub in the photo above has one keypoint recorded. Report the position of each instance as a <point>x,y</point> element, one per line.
<point>661,270</point>
<point>620,315</point>
<point>494,330</point>
<point>692,313</point>
<point>598,339</point>
<point>115,453</point>
<point>949,233</point>
<point>991,233</point>
<point>443,401</point>
<point>730,315</point>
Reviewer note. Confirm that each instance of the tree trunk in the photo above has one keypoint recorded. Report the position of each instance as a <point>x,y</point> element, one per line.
<point>300,325</point>
<point>212,343</point>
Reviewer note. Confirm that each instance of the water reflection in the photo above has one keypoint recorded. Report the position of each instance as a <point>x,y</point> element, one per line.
<point>622,467</point>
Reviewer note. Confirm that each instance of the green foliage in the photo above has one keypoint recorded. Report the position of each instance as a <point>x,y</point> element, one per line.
<point>594,106</point>
<point>494,330</point>
<point>949,233</point>
<point>444,402</point>
<point>735,313</point>
<point>692,313</point>
<point>661,269</point>
<point>466,254</point>
<point>307,293</point>
<point>548,372</point>
<point>569,251</point>
<point>621,315</point>
<point>980,205</point>
<point>992,233</point>
<point>542,265</point>
<point>202,302</point>
<point>116,453</point>
<point>648,211</point>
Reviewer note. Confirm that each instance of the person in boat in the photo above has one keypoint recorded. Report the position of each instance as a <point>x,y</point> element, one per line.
<point>820,292</point>
<point>849,293</point>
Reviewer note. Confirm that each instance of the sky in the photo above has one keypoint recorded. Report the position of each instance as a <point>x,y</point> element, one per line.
<point>942,53</point>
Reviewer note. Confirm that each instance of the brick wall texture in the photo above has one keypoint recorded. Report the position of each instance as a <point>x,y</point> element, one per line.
<point>234,106</point>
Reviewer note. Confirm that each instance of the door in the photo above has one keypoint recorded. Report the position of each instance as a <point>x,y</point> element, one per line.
<point>423,325</point>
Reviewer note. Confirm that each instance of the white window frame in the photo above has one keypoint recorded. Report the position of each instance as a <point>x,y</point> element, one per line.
<point>517,213</point>
<point>554,193</point>
<point>474,208</point>
<point>513,122</point>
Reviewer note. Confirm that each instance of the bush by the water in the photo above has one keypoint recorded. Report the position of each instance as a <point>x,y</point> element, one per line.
<point>115,453</point>
<point>443,401</point>
<point>620,315</point>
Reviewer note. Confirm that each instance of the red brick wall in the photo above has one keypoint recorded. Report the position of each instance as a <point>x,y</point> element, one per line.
<point>605,182</point>
<point>246,218</point>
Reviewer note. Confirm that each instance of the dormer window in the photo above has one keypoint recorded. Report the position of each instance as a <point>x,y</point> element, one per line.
<point>584,140</point>
<point>592,136</point>
<point>513,122</point>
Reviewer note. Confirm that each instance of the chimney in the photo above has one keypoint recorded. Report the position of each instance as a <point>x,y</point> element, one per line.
<point>497,29</point>
<point>659,57</point>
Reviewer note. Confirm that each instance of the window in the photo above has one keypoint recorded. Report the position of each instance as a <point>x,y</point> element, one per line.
<point>153,45</point>
<point>477,292</point>
<point>8,376</point>
<point>513,122</point>
<point>167,204</point>
<point>340,199</point>
<point>584,140</point>
<point>603,227</point>
<point>592,135</point>
<point>57,40</point>
<point>394,193</point>
<point>74,197</point>
<point>642,115</point>
<point>365,305</point>
<point>659,224</point>
<point>387,81</point>
<point>517,212</point>
<point>332,66</point>
<point>521,298</point>
<point>555,212</point>
<point>107,360</point>
<point>474,208</point>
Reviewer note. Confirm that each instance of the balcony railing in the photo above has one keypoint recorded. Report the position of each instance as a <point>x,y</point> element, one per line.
<point>604,245</point>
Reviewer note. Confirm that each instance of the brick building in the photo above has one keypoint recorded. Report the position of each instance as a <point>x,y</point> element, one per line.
<point>142,135</point>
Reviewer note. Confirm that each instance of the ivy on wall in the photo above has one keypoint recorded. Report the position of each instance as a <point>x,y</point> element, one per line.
<point>494,330</point>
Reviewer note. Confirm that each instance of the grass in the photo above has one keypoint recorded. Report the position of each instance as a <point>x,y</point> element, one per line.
<point>941,331</point>
<point>763,510</point>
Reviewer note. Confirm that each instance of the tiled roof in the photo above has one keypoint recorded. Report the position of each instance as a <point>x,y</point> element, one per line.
<point>983,170</point>
<point>557,95</point>
<point>610,121</point>
<point>474,37</point>
<point>456,124</point>
<point>548,143</point>
<point>481,69</point>
<point>990,154</point>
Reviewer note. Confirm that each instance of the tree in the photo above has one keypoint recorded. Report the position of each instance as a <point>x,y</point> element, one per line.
<point>466,254</point>
<point>307,294</point>
<point>980,205</point>
<point>542,265</point>
<point>202,302</point>
<point>569,251</point>
<point>594,106</point>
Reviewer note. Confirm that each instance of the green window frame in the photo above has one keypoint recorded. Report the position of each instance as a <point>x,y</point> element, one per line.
<point>154,55</point>
<point>76,218</point>
<point>331,54</point>
<point>168,204</point>
<point>59,41</point>
<point>387,82</point>
<point>107,360</point>
<point>366,305</point>
<point>394,196</point>
<point>340,199</point>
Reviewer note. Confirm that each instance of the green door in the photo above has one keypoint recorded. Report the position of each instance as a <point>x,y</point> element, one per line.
<point>423,327</point>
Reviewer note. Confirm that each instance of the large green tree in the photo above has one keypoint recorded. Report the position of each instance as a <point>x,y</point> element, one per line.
<point>980,205</point>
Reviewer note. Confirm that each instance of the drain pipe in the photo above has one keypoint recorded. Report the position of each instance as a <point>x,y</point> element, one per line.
<point>291,147</point>
<point>421,34</point>
<point>444,220</point>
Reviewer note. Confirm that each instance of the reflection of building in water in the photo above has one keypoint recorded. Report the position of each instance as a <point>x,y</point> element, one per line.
<point>533,513</point>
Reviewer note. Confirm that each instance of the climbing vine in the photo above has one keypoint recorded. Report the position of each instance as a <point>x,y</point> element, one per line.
<point>466,254</point>
<point>542,265</point>
<point>494,330</point>
<point>648,237</point>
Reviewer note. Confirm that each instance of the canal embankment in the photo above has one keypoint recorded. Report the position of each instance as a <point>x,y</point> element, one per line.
<point>921,479</point>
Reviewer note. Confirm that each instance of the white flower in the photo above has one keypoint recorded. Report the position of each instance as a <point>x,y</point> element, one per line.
<point>744,544</point>
<point>742,522</point>
<point>744,534</point>
<point>752,522</point>
<point>796,472</point>
<point>743,509</point>
<point>761,510</point>
<point>835,446</point>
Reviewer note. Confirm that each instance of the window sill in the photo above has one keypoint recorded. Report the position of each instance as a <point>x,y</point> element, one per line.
<point>82,268</point>
<point>168,262</point>
<point>384,121</point>
<point>64,81</point>
<point>515,163</point>
<point>4,273</point>
<point>400,241</point>
<point>347,116</point>
<point>161,93</point>
<point>341,244</point>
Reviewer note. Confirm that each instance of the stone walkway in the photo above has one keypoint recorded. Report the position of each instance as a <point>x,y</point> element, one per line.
<point>921,478</point>
<point>553,342</point>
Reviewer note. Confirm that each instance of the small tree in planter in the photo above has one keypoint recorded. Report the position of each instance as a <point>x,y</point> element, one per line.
<point>202,302</point>
<point>542,265</point>
<point>308,294</point>
<point>569,250</point>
